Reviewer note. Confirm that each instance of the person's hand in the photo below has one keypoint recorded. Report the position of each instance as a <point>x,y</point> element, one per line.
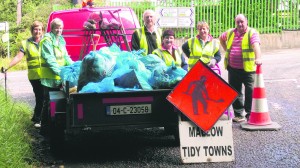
<point>212,63</point>
<point>3,70</point>
<point>258,61</point>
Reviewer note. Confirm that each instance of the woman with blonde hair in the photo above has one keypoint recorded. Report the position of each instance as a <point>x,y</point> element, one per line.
<point>30,49</point>
<point>54,55</point>
<point>203,47</point>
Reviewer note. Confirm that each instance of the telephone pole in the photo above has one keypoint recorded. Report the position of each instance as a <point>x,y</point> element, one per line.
<point>19,11</point>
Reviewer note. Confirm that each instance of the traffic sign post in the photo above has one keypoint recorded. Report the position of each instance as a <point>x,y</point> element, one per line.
<point>5,37</point>
<point>176,17</point>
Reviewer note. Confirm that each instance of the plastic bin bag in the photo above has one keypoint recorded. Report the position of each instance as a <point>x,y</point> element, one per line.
<point>71,73</point>
<point>175,74</point>
<point>106,85</point>
<point>151,61</point>
<point>93,69</point>
<point>132,80</point>
<point>159,78</point>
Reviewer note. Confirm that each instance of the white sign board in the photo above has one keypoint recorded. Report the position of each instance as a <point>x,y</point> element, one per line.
<point>4,26</point>
<point>5,37</point>
<point>178,17</point>
<point>196,146</point>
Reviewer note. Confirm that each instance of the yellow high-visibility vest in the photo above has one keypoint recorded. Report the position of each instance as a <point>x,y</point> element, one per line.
<point>247,50</point>
<point>167,57</point>
<point>46,72</point>
<point>33,59</point>
<point>143,39</point>
<point>204,53</point>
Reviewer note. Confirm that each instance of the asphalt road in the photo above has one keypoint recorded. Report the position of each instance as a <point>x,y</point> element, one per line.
<point>152,148</point>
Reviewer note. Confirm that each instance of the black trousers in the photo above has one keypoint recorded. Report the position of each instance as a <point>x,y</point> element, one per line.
<point>37,88</point>
<point>237,78</point>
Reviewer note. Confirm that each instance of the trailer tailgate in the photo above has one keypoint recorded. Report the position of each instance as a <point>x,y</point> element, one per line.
<point>119,109</point>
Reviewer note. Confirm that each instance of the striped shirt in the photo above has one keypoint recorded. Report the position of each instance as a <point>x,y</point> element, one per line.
<point>235,56</point>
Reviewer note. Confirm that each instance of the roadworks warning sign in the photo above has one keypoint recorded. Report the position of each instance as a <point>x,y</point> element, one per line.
<point>197,146</point>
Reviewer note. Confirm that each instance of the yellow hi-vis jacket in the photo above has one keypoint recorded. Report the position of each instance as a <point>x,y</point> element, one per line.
<point>143,39</point>
<point>33,59</point>
<point>58,52</point>
<point>167,57</point>
<point>204,53</point>
<point>247,50</point>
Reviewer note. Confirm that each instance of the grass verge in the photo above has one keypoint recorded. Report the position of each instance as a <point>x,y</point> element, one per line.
<point>15,141</point>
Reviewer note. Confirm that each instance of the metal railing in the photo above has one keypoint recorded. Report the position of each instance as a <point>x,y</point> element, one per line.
<point>267,16</point>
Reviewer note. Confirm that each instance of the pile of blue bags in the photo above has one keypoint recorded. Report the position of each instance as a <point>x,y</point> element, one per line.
<point>112,70</point>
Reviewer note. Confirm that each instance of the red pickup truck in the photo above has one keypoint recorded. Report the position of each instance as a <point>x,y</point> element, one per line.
<point>93,112</point>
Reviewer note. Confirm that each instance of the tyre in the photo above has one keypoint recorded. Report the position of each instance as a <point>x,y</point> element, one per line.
<point>57,140</point>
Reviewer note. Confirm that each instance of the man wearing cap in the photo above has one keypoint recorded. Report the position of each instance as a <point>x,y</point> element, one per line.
<point>148,37</point>
<point>170,53</point>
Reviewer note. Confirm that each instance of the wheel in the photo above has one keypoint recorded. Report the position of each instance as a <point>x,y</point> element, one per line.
<point>56,140</point>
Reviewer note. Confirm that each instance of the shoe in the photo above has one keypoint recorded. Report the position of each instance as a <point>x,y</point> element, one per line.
<point>37,125</point>
<point>238,119</point>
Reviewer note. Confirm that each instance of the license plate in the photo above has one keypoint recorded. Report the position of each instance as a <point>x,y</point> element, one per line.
<point>129,109</point>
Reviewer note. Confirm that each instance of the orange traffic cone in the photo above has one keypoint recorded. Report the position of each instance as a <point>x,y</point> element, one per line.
<point>259,113</point>
<point>259,117</point>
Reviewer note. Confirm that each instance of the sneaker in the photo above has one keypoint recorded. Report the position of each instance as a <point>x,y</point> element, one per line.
<point>238,119</point>
<point>37,125</point>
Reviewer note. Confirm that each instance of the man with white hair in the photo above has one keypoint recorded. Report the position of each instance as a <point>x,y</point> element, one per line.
<point>148,37</point>
<point>242,46</point>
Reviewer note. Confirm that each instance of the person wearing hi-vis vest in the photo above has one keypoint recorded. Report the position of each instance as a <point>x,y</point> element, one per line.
<point>169,52</point>
<point>202,47</point>
<point>54,55</point>
<point>242,54</point>
<point>30,49</point>
<point>148,37</point>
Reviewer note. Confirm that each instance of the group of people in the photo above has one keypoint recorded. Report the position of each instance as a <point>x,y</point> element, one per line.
<point>47,53</point>
<point>242,53</point>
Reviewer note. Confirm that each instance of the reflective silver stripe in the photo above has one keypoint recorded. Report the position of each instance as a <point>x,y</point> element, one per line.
<point>194,57</point>
<point>247,50</point>
<point>248,59</point>
<point>44,65</point>
<point>214,45</point>
<point>192,46</point>
<point>206,56</point>
<point>249,42</point>
<point>230,34</point>
<point>32,58</point>
<point>33,67</point>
